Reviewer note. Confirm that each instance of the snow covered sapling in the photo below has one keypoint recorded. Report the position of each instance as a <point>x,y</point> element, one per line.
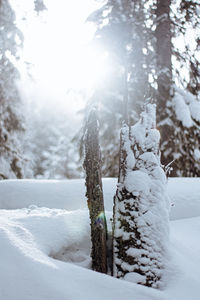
<point>92,165</point>
<point>140,229</point>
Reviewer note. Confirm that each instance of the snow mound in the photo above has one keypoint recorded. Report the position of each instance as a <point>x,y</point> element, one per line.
<point>29,236</point>
<point>184,194</point>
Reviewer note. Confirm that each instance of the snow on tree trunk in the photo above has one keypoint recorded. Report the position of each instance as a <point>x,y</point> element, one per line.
<point>92,165</point>
<point>140,229</point>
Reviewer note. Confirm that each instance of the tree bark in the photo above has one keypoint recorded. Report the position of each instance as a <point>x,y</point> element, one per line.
<point>92,165</point>
<point>164,77</point>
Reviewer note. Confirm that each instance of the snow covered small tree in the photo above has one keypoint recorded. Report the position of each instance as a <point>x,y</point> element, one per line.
<point>140,229</point>
<point>94,193</point>
<point>178,120</point>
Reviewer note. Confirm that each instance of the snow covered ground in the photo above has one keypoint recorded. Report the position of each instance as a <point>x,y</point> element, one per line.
<point>70,194</point>
<point>44,222</point>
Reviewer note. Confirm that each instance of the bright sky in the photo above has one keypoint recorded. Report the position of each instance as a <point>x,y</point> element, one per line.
<point>56,44</point>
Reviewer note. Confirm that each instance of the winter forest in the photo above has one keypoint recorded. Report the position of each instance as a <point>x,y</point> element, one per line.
<point>100,149</point>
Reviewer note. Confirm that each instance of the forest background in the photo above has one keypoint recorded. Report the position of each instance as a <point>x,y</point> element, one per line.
<point>128,53</point>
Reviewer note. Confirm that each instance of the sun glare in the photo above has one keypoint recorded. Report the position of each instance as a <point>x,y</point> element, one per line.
<point>57,46</point>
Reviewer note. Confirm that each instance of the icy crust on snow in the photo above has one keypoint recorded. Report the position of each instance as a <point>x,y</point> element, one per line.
<point>142,207</point>
<point>186,107</point>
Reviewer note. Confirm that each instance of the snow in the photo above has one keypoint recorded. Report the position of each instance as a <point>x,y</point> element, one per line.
<point>137,182</point>
<point>182,111</point>
<point>141,210</point>
<point>197,154</point>
<point>184,194</point>
<point>65,194</point>
<point>186,107</point>
<point>33,238</point>
<point>70,195</point>
<point>134,277</point>
<point>185,283</point>
<point>195,110</point>
<point>27,270</point>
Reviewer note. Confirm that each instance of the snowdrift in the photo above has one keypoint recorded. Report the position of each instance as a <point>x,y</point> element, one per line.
<point>32,238</point>
<point>70,194</point>
<point>28,239</point>
<point>44,249</point>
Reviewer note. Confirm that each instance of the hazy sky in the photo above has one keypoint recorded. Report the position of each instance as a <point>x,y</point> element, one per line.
<point>56,46</point>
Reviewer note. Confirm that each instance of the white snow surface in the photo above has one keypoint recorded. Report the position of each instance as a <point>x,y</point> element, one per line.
<point>32,237</point>
<point>184,194</point>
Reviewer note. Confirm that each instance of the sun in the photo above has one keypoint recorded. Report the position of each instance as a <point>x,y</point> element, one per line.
<point>57,46</point>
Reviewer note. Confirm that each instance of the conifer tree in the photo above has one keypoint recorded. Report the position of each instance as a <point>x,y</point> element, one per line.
<point>123,32</point>
<point>178,120</point>
<point>11,124</point>
<point>141,39</point>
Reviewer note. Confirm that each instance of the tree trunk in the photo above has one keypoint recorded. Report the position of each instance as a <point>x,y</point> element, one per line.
<point>164,78</point>
<point>92,165</point>
<point>125,96</point>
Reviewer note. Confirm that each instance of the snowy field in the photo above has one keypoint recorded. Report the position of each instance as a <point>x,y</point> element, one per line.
<point>45,243</point>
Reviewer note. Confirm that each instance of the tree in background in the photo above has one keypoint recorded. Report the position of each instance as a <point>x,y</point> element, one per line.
<point>39,6</point>
<point>186,50</point>
<point>163,50</point>
<point>140,225</point>
<point>94,193</point>
<point>178,110</point>
<point>123,32</point>
<point>141,39</point>
<point>186,101</point>
<point>49,142</point>
<point>11,123</point>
